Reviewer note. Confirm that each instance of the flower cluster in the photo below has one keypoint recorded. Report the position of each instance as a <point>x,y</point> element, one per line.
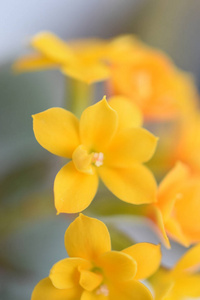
<point>109,143</point>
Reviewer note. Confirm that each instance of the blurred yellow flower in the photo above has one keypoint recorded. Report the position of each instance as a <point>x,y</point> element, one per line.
<point>182,281</point>
<point>87,60</point>
<point>146,76</point>
<point>82,60</point>
<point>177,211</point>
<point>108,142</point>
<point>94,272</point>
<point>150,80</point>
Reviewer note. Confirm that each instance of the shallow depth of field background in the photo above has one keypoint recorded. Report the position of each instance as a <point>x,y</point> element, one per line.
<point>31,236</point>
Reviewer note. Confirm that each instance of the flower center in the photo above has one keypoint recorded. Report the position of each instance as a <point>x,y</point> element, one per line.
<point>97,159</point>
<point>83,160</point>
<point>102,290</point>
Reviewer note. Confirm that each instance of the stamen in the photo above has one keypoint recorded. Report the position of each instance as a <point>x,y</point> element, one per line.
<point>103,290</point>
<point>98,158</point>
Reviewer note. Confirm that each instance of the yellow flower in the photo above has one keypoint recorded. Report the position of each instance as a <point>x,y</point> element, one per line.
<point>177,211</point>
<point>105,142</point>
<point>94,272</point>
<point>82,60</point>
<point>149,79</point>
<point>182,281</point>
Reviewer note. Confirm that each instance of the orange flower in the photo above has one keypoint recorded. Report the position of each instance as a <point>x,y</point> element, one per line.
<point>149,78</point>
<point>177,212</point>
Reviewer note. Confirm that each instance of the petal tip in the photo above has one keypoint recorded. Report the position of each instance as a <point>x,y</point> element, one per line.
<point>166,241</point>
<point>104,101</point>
<point>168,245</point>
<point>107,105</point>
<point>40,34</point>
<point>35,116</point>
<point>81,216</point>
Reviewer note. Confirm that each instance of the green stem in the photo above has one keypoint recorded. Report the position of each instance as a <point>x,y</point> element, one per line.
<point>79,96</point>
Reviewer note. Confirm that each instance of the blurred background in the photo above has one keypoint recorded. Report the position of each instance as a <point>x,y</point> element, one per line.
<point>31,236</point>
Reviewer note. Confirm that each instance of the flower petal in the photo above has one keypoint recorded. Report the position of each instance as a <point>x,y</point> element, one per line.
<point>128,113</point>
<point>87,238</point>
<point>65,274</point>
<point>82,160</point>
<point>130,290</point>
<point>118,266</point>
<point>187,286</point>
<point>147,257</point>
<point>33,62</point>
<point>190,261</point>
<point>135,185</point>
<point>187,208</point>
<point>131,146</point>
<point>53,47</point>
<point>174,230</point>
<point>85,72</point>
<point>93,296</point>
<point>90,280</point>
<point>157,218</point>
<point>175,177</point>
<point>98,125</point>
<point>163,284</point>
<point>74,190</point>
<point>45,290</point>
<point>168,190</point>
<point>56,129</point>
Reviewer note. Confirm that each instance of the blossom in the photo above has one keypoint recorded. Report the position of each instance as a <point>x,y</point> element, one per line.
<point>93,271</point>
<point>180,282</point>
<point>177,211</point>
<point>82,60</point>
<point>106,142</point>
<point>150,79</point>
